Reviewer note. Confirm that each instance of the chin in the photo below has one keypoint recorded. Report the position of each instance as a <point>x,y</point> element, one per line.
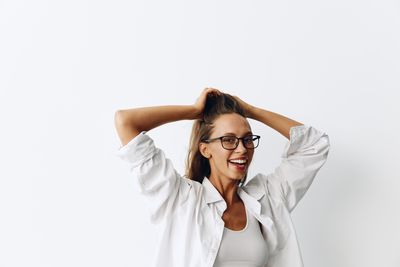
<point>239,177</point>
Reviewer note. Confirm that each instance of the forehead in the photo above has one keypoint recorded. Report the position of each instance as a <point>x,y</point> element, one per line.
<point>231,123</point>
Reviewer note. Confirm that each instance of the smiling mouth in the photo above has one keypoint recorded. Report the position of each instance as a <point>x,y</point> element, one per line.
<point>239,164</point>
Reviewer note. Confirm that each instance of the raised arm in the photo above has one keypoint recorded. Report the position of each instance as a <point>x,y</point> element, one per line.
<point>274,120</point>
<point>130,122</point>
<point>303,156</point>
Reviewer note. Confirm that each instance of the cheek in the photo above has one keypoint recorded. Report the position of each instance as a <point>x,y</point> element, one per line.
<point>221,158</point>
<point>251,157</point>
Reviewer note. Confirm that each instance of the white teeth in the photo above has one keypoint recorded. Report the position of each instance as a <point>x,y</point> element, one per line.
<point>239,161</point>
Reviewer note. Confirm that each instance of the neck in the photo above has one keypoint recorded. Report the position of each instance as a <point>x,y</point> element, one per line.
<point>227,188</point>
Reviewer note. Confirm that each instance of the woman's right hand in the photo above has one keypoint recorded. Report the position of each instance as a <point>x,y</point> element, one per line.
<point>201,101</point>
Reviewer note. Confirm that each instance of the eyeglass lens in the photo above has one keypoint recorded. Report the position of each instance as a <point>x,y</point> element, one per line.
<point>231,142</point>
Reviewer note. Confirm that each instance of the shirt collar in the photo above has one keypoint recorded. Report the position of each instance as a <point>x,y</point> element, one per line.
<point>250,194</point>
<point>211,194</point>
<point>254,189</point>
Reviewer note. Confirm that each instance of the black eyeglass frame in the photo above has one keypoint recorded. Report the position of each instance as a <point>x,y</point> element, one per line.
<point>253,137</point>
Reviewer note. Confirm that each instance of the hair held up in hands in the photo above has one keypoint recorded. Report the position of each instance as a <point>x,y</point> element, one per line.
<point>197,166</point>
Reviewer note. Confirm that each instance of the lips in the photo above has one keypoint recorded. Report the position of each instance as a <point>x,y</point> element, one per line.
<point>241,160</point>
<point>239,163</point>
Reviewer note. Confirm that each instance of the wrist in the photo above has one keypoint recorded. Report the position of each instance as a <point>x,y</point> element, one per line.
<point>193,113</point>
<point>251,111</point>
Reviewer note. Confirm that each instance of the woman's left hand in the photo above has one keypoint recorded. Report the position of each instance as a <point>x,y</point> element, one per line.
<point>248,109</point>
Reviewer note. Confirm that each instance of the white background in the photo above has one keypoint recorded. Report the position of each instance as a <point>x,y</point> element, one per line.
<point>67,66</point>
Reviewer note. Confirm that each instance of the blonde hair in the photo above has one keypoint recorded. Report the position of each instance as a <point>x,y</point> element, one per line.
<point>197,166</point>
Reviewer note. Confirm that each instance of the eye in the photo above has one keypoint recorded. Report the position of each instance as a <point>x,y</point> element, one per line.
<point>229,139</point>
<point>249,139</point>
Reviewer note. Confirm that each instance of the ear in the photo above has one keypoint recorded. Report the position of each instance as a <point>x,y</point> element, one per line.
<point>203,148</point>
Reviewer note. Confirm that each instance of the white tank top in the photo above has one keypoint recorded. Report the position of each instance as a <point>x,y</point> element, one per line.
<point>243,248</point>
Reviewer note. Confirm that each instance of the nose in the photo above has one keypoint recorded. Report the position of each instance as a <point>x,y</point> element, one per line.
<point>241,147</point>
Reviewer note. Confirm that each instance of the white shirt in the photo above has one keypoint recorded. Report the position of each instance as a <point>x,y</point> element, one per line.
<point>192,211</point>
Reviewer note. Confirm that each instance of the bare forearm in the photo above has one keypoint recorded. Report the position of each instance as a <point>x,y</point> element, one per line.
<point>130,122</point>
<point>274,120</point>
<point>147,118</point>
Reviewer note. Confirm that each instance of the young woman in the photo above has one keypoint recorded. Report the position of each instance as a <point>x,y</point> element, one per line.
<point>214,216</point>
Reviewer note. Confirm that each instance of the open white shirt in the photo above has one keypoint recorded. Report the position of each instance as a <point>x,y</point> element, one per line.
<point>192,211</point>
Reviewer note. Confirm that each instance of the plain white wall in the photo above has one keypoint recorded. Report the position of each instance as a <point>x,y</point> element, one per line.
<point>67,66</point>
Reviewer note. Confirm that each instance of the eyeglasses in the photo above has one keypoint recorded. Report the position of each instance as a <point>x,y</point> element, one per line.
<point>232,142</point>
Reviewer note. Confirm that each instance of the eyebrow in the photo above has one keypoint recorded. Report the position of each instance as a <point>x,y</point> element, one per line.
<point>249,132</point>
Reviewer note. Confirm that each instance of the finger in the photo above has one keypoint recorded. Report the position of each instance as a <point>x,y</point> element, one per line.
<point>214,91</point>
<point>210,89</point>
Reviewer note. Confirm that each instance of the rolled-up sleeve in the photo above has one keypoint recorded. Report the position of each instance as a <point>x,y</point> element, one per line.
<point>157,179</point>
<point>304,154</point>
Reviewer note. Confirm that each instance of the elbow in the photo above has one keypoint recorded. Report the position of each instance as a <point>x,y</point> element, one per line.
<point>119,117</point>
